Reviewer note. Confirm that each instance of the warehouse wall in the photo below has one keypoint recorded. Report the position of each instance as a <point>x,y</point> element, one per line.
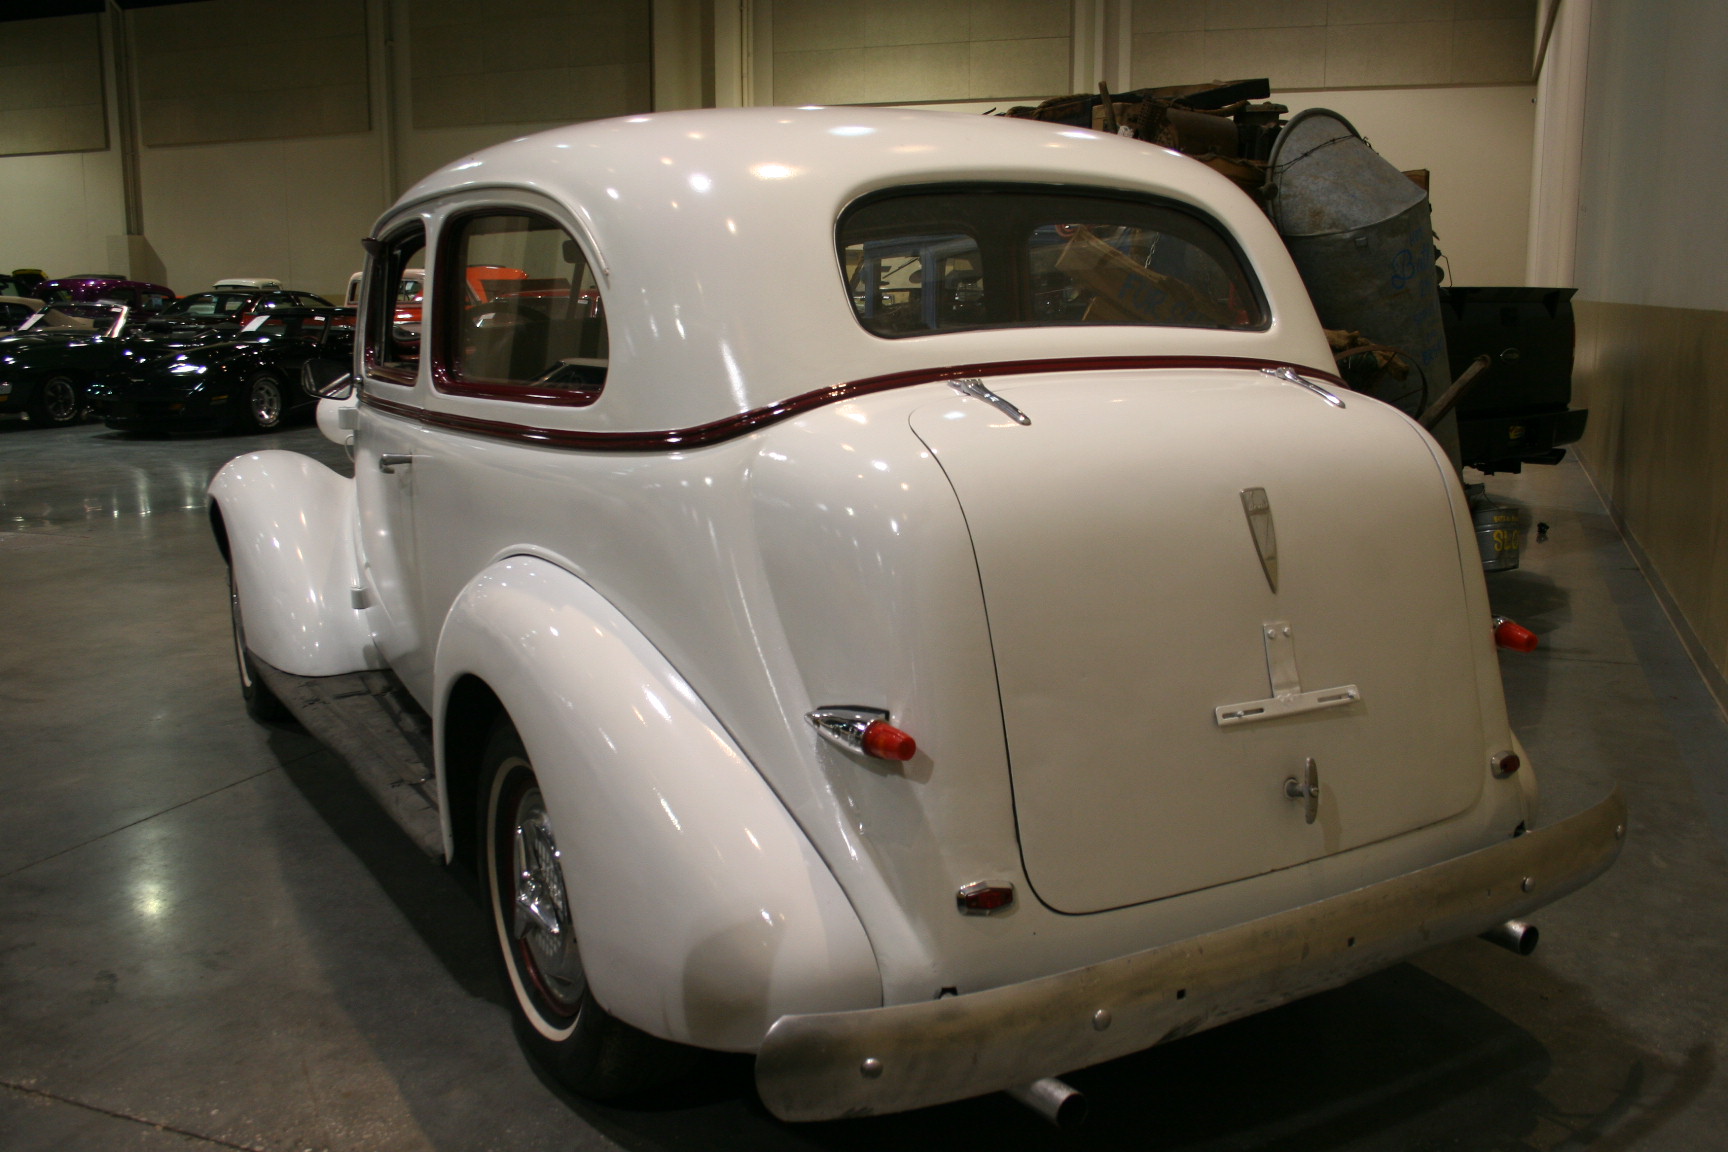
<point>272,132</point>
<point>1653,300</point>
<point>1475,142</point>
<point>60,197</point>
<point>891,51</point>
<point>1438,84</point>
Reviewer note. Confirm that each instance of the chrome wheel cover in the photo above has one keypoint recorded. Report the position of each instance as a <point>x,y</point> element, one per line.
<point>264,401</point>
<point>540,910</point>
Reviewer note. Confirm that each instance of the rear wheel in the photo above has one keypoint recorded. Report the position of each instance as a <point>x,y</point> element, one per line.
<point>264,402</point>
<point>57,401</point>
<point>261,703</point>
<point>558,1021</point>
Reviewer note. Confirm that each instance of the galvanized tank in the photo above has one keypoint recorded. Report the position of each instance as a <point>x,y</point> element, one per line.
<point>1359,231</point>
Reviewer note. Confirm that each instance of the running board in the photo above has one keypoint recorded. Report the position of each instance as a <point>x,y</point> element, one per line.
<point>369,720</point>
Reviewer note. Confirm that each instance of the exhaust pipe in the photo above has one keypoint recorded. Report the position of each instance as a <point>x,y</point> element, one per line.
<point>1055,1101</point>
<point>1514,936</point>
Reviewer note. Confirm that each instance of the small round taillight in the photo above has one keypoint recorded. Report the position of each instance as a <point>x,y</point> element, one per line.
<point>886,742</point>
<point>1506,763</point>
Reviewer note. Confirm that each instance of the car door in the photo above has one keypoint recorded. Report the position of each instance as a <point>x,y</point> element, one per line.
<point>502,369</point>
<point>388,442</point>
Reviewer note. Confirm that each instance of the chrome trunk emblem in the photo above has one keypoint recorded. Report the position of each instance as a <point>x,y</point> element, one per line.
<point>1259,509</point>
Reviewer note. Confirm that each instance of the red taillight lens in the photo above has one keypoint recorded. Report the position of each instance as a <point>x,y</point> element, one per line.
<point>1507,763</point>
<point>886,742</point>
<point>1510,634</point>
<point>981,899</point>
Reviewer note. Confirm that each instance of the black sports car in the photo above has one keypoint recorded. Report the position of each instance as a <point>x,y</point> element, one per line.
<point>245,381</point>
<point>236,306</point>
<point>46,369</point>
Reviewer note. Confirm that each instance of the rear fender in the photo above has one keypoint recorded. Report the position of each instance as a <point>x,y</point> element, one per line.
<point>702,912</point>
<point>288,523</point>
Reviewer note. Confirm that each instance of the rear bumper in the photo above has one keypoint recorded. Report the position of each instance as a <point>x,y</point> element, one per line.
<point>812,1067</point>
<point>1504,440</point>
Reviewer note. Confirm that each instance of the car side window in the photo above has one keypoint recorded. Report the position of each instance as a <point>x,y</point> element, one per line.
<point>536,328</point>
<point>393,321</point>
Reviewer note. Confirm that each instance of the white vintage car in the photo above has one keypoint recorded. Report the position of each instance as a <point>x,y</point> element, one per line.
<point>900,594</point>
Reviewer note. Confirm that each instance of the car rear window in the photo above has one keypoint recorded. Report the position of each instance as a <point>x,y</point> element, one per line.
<point>210,304</point>
<point>940,259</point>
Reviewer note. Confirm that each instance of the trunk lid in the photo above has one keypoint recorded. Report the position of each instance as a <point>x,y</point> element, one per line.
<point>1128,602</point>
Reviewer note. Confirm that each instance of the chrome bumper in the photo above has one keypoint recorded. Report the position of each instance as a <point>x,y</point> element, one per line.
<point>838,1064</point>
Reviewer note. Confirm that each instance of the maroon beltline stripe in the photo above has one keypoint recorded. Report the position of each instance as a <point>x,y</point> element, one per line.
<point>703,435</point>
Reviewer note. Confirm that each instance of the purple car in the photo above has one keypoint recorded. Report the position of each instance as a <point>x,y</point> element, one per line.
<point>90,288</point>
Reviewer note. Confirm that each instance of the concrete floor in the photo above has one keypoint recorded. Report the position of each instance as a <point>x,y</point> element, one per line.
<point>211,938</point>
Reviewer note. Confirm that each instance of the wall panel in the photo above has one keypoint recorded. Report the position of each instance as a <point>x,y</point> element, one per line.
<point>250,70</point>
<point>1653,300</point>
<point>51,86</point>
<point>1333,43</point>
<point>292,209</point>
<point>59,211</point>
<point>1656,382</point>
<point>528,61</point>
<point>905,51</point>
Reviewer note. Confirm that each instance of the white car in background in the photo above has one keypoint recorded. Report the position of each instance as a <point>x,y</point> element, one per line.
<point>900,594</point>
<point>410,291</point>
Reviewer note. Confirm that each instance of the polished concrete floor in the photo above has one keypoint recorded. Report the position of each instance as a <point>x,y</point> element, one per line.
<point>210,938</point>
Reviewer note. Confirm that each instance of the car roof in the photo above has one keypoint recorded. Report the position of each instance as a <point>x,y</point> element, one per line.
<point>674,205</point>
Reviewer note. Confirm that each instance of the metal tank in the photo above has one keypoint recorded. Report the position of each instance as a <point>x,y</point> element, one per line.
<point>1359,231</point>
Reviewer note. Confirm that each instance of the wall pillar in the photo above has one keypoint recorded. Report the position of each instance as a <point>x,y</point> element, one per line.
<point>1557,164</point>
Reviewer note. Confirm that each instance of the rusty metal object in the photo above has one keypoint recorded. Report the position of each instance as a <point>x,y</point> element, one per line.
<point>1359,231</point>
<point>1449,398</point>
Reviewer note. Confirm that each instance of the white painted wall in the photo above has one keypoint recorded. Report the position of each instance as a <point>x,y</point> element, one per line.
<point>58,211</point>
<point>290,209</point>
<point>297,208</point>
<point>1653,211</point>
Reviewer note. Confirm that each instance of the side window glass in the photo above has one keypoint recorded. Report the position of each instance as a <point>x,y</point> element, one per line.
<point>394,320</point>
<point>916,283</point>
<point>526,318</point>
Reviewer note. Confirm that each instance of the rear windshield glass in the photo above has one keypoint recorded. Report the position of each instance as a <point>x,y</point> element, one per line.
<point>210,304</point>
<point>77,317</point>
<point>988,256</point>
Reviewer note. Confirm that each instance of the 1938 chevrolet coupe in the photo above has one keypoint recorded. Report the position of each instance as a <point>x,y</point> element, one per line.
<point>883,603</point>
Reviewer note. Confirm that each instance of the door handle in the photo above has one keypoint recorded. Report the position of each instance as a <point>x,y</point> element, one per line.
<point>390,461</point>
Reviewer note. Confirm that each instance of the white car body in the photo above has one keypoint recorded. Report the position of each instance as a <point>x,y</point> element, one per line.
<point>769,509</point>
<point>410,288</point>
